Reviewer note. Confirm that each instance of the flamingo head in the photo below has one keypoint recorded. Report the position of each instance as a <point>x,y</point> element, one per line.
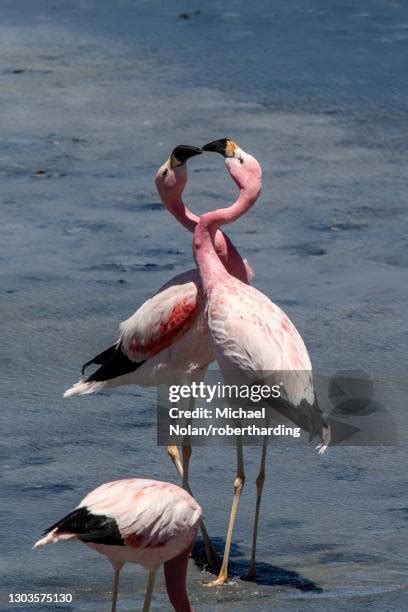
<point>244,169</point>
<point>171,177</point>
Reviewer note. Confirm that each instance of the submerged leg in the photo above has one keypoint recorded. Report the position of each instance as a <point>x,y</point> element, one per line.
<point>149,591</point>
<point>238,486</point>
<point>115,587</point>
<point>259,488</point>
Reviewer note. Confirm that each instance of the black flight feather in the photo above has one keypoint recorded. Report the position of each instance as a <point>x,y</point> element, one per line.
<point>99,529</point>
<point>113,362</point>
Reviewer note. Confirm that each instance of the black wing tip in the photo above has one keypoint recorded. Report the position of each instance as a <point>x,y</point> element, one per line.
<point>102,358</point>
<point>89,527</point>
<point>308,417</point>
<point>59,523</point>
<point>87,364</point>
<point>118,365</point>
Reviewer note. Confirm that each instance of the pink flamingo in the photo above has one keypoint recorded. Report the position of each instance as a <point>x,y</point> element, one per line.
<point>166,341</point>
<point>137,521</point>
<point>250,334</point>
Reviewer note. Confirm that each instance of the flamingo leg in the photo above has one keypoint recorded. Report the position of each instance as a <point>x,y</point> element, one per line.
<point>238,486</point>
<point>259,489</point>
<point>183,470</point>
<point>186,453</point>
<point>186,449</point>
<point>115,588</point>
<point>173,453</point>
<point>149,591</point>
<point>210,552</point>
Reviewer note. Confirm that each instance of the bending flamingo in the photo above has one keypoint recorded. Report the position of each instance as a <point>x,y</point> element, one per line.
<point>166,341</point>
<point>250,334</point>
<point>137,521</point>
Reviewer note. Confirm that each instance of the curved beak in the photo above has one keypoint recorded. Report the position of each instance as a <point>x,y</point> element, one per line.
<point>182,153</point>
<point>224,146</point>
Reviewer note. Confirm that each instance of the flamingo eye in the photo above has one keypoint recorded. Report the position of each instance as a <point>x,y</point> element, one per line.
<point>241,161</point>
<point>165,171</point>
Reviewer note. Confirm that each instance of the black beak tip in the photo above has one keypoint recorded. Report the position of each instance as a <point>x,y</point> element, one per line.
<point>184,152</point>
<point>217,146</point>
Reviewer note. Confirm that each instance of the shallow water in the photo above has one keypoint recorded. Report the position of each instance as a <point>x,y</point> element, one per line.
<point>94,95</point>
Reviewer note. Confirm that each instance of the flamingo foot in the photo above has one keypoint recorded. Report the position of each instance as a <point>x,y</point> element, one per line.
<point>222,579</point>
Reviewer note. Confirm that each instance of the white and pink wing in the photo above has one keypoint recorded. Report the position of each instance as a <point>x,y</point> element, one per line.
<point>148,513</point>
<point>162,319</point>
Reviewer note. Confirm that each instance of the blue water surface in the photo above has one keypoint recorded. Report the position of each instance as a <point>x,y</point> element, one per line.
<point>94,95</point>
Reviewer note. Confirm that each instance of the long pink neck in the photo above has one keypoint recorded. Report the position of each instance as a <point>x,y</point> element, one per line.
<point>224,248</point>
<point>175,574</point>
<point>210,267</point>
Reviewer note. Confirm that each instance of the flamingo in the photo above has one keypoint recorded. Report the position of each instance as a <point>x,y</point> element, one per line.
<point>166,341</point>
<point>251,334</point>
<point>137,521</point>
